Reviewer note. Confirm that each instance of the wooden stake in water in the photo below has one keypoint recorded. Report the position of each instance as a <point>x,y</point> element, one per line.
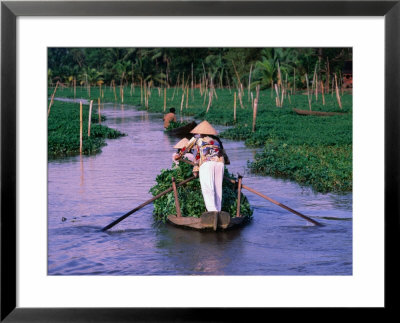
<point>187,96</point>
<point>52,99</point>
<point>337,93</point>
<point>99,110</point>
<point>80,129</point>
<point>294,81</point>
<point>278,103</point>
<point>327,75</point>
<point>308,93</point>
<point>248,91</point>
<point>90,116</point>
<point>239,196</point>
<point>141,91</point>
<point>165,98</point>
<point>183,99</point>
<point>234,108</point>
<point>255,108</point>
<point>210,96</point>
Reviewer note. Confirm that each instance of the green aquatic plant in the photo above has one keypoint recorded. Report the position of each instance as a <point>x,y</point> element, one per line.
<point>64,128</point>
<point>309,135</point>
<point>190,196</point>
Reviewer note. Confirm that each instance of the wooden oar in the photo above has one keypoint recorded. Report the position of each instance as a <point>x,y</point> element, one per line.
<point>277,203</point>
<point>268,198</point>
<point>145,203</point>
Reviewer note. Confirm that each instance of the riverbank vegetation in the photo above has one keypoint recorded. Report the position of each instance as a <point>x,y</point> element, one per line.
<point>64,131</point>
<point>255,91</point>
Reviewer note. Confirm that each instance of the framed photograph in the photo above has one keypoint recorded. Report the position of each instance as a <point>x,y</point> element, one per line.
<point>60,260</point>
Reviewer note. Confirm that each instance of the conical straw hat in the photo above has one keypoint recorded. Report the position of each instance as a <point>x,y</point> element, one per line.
<point>181,143</point>
<point>204,128</point>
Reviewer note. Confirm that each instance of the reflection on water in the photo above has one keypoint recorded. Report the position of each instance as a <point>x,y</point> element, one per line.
<point>89,192</point>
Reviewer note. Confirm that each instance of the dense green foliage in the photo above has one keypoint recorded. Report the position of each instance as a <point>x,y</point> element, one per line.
<point>64,128</point>
<point>172,65</point>
<point>190,197</point>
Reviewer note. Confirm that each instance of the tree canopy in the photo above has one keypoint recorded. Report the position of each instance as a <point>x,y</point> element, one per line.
<point>168,66</point>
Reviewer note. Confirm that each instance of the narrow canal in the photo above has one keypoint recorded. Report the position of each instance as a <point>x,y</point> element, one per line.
<point>86,193</point>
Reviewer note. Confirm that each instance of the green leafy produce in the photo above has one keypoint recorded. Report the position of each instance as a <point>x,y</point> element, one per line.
<point>190,196</point>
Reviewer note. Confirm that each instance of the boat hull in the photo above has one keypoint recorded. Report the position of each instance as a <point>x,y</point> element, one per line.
<point>183,131</point>
<point>317,113</point>
<point>208,221</point>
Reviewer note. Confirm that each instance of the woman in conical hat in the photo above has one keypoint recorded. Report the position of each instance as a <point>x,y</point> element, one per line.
<point>209,164</point>
<point>187,154</point>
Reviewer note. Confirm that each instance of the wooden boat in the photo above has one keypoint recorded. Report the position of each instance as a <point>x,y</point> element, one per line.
<point>208,221</point>
<point>318,113</point>
<point>184,130</point>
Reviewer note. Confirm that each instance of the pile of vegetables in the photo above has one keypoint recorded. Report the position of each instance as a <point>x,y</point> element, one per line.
<point>190,197</point>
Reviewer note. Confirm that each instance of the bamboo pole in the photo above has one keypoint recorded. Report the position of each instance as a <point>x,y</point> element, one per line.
<point>192,79</point>
<point>209,100</point>
<point>187,96</point>
<point>272,89</point>
<point>277,95</point>
<point>327,75</point>
<point>337,93</point>
<point>115,93</point>
<point>183,99</point>
<point>240,98</point>
<point>239,196</point>
<point>255,108</point>
<point>323,94</point>
<point>52,98</point>
<point>99,110</point>
<point>141,91</point>
<point>178,208</point>
<point>308,93</point>
<point>237,75</point>
<point>279,78</point>
<point>294,81</point>
<point>165,98</point>
<point>80,128</point>
<point>90,116</point>
<point>234,108</point>
<point>248,91</point>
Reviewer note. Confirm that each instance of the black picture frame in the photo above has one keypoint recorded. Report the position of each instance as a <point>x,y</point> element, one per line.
<point>10,10</point>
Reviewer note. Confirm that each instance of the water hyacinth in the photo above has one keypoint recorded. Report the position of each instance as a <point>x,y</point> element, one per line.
<point>190,196</point>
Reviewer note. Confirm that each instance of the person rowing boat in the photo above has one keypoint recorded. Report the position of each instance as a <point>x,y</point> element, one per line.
<point>209,164</point>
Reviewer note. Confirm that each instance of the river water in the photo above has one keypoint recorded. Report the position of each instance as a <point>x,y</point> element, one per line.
<point>87,193</point>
